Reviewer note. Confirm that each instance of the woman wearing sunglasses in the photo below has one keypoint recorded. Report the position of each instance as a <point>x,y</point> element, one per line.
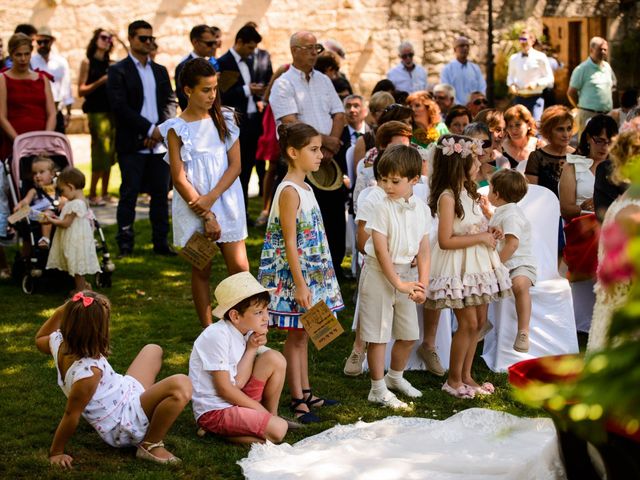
<point>92,86</point>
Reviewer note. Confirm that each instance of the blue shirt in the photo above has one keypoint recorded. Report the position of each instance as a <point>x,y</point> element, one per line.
<point>465,78</point>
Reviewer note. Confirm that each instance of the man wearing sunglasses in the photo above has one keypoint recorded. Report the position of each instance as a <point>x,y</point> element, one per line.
<point>461,74</point>
<point>592,83</point>
<point>528,75</point>
<point>240,91</point>
<point>204,44</point>
<point>141,97</point>
<point>56,65</point>
<point>408,76</point>
<point>476,102</point>
<point>303,94</point>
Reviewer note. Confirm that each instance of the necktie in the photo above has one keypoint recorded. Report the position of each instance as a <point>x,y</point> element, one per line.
<point>357,135</point>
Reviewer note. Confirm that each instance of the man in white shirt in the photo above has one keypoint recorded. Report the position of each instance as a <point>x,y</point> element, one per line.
<point>461,74</point>
<point>408,76</point>
<point>56,65</point>
<point>303,94</point>
<point>528,75</point>
<point>204,44</point>
<point>141,97</point>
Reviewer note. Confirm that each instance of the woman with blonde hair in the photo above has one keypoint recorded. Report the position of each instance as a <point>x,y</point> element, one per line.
<point>427,124</point>
<point>520,136</point>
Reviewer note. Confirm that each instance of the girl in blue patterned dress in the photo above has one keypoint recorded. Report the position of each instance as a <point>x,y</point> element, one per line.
<point>296,261</point>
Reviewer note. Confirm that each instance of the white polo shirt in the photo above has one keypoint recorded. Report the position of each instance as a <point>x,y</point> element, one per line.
<point>219,347</point>
<point>314,101</point>
<point>510,218</point>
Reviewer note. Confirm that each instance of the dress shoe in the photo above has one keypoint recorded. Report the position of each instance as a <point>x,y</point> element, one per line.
<point>164,250</point>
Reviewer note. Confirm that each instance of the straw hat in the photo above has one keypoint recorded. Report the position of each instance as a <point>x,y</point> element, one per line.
<point>328,177</point>
<point>234,289</point>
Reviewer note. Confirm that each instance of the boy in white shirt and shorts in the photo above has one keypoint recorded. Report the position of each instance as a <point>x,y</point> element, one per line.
<point>237,381</point>
<point>389,287</point>
<point>507,187</point>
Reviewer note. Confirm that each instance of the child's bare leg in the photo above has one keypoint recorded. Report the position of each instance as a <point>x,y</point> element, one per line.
<point>201,293</point>
<point>358,345</point>
<point>304,365</point>
<point>80,282</point>
<point>400,354</point>
<point>270,367</point>
<point>520,286</point>
<point>46,231</point>
<point>294,348</point>
<point>235,256</point>
<point>466,333</point>
<point>430,328</point>
<point>480,314</point>
<point>146,366</point>
<point>163,402</point>
<point>375,357</point>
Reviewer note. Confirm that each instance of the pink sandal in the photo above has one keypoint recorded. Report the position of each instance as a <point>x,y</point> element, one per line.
<point>485,389</point>
<point>463,391</point>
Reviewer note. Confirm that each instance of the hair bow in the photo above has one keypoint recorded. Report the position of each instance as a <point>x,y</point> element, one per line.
<point>86,301</point>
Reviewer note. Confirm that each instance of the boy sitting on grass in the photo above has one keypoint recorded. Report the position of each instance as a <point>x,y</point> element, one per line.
<point>237,381</point>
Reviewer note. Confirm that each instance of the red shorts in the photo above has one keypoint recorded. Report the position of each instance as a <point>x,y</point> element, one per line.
<point>238,421</point>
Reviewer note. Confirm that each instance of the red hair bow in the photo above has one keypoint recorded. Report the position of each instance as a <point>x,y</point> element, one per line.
<point>86,301</point>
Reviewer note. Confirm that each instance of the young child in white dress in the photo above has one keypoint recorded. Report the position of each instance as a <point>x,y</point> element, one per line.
<point>389,287</point>
<point>125,410</point>
<point>73,249</point>
<point>466,271</point>
<point>204,157</point>
<point>506,189</point>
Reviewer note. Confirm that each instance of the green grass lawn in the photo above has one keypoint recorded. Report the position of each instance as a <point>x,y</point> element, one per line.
<point>152,304</point>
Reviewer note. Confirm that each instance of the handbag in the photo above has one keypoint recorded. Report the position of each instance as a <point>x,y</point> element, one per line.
<point>581,250</point>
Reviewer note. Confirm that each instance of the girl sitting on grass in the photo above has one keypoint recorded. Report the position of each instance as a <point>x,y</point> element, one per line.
<point>126,410</point>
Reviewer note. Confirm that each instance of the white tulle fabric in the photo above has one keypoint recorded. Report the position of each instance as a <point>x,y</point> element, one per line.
<point>73,249</point>
<point>476,443</point>
<point>205,160</point>
<point>608,300</point>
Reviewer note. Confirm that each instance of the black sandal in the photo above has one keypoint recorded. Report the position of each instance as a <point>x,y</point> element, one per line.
<point>323,402</point>
<point>301,415</point>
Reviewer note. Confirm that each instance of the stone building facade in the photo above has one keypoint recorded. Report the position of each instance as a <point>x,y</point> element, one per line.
<point>369,30</point>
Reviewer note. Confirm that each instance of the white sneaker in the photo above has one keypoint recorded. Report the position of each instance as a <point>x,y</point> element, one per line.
<point>403,386</point>
<point>387,399</point>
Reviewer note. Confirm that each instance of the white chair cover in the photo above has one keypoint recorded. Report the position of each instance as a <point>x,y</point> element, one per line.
<point>552,326</point>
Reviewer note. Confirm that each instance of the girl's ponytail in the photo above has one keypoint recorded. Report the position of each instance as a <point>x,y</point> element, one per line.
<point>296,135</point>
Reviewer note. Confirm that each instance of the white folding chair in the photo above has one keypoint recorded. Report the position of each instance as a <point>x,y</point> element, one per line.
<point>552,326</point>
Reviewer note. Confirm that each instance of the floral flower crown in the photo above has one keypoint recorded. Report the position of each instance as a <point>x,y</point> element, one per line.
<point>463,147</point>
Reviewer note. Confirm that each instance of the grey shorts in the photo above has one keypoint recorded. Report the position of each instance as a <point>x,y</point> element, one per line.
<point>528,271</point>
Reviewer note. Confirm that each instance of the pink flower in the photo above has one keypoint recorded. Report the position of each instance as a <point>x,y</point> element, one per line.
<point>457,148</point>
<point>615,266</point>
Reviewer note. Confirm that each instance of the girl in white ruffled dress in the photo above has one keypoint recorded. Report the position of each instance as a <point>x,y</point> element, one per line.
<point>466,273</point>
<point>204,157</point>
<point>73,249</point>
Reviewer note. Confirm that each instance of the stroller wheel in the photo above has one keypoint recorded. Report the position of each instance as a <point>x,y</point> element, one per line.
<point>28,284</point>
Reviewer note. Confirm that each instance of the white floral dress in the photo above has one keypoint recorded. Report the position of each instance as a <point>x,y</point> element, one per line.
<point>469,276</point>
<point>205,160</point>
<point>114,410</point>
<point>73,249</point>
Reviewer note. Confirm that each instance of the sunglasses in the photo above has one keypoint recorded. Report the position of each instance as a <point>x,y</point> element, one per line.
<point>44,41</point>
<point>209,43</point>
<point>146,38</point>
<point>393,106</point>
<point>106,38</point>
<point>441,97</point>
<point>407,55</point>
<point>486,144</point>
<point>318,48</point>
<point>523,39</point>
<point>480,101</point>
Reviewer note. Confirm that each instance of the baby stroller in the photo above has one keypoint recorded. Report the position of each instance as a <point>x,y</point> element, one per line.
<point>29,269</point>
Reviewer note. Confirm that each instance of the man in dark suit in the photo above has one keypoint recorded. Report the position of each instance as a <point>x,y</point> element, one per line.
<point>240,91</point>
<point>142,98</point>
<point>204,43</point>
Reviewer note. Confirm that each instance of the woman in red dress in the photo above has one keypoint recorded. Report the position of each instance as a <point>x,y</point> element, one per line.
<point>26,102</point>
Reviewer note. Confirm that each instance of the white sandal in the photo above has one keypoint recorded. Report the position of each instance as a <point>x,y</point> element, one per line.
<point>144,453</point>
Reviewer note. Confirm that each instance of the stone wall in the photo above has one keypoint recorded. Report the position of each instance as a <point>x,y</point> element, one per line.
<point>369,30</point>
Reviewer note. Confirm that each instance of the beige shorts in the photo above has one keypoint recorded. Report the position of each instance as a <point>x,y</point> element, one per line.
<point>385,312</point>
<point>528,271</point>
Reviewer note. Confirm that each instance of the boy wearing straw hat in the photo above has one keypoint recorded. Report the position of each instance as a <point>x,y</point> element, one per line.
<point>237,381</point>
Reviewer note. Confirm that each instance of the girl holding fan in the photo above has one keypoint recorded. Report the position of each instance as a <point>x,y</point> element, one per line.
<point>296,261</point>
